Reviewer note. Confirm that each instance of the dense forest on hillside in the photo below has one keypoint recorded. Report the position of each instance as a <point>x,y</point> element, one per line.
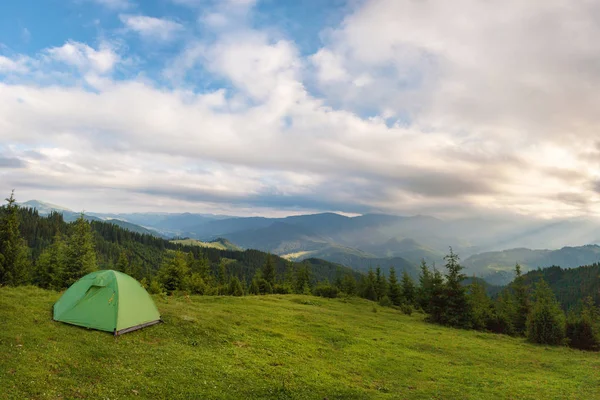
<point>50,253</point>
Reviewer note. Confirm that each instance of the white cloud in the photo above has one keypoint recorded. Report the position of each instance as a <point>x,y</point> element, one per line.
<point>150,27</point>
<point>426,107</point>
<point>84,57</point>
<point>9,65</point>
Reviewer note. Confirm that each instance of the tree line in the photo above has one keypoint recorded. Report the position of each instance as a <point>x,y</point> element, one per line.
<point>47,252</point>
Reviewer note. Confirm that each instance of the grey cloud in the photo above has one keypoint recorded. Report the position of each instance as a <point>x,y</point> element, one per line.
<point>11,162</point>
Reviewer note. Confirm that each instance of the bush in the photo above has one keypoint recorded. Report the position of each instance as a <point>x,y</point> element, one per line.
<point>264,287</point>
<point>195,284</point>
<point>385,302</point>
<point>235,287</point>
<point>282,289</point>
<point>407,308</point>
<point>326,290</point>
<point>582,335</point>
<point>155,287</point>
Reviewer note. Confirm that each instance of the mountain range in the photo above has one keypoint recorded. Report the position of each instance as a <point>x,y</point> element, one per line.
<point>489,246</point>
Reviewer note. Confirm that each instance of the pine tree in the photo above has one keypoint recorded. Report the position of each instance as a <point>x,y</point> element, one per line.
<point>408,289</point>
<point>349,285</point>
<point>481,306</point>
<point>437,298</point>
<point>583,329</point>
<point>380,284</point>
<point>424,290</point>
<point>235,287</point>
<point>268,270</point>
<point>458,311</point>
<point>394,292</point>
<point>173,274</point>
<point>546,320</point>
<point>51,264</point>
<point>123,263</point>
<point>521,295</point>
<point>369,289</point>
<point>81,254</point>
<point>14,260</point>
<point>222,272</point>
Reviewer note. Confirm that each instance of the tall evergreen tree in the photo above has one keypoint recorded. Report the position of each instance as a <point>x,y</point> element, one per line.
<point>51,264</point>
<point>481,306</point>
<point>380,284</point>
<point>408,289</point>
<point>437,306</point>
<point>349,285</point>
<point>521,295</point>
<point>546,320</point>
<point>458,311</point>
<point>268,271</point>
<point>222,272</point>
<point>81,254</point>
<point>173,274</point>
<point>425,287</point>
<point>14,260</point>
<point>123,263</point>
<point>369,286</point>
<point>395,291</point>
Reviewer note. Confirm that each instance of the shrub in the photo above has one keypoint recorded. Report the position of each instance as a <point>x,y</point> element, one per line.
<point>407,308</point>
<point>326,290</point>
<point>235,287</point>
<point>155,287</point>
<point>282,289</point>
<point>583,330</point>
<point>385,302</point>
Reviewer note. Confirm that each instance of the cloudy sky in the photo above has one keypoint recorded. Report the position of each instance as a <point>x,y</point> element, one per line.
<point>279,107</point>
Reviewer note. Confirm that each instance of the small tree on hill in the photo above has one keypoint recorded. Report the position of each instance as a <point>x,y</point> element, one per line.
<point>349,285</point>
<point>51,264</point>
<point>369,290</point>
<point>380,283</point>
<point>14,259</point>
<point>583,329</point>
<point>81,253</point>
<point>546,321</point>
<point>268,270</point>
<point>235,287</point>
<point>522,306</point>
<point>425,287</point>
<point>174,272</point>
<point>482,312</point>
<point>395,292</point>
<point>408,289</point>
<point>457,311</point>
<point>437,298</point>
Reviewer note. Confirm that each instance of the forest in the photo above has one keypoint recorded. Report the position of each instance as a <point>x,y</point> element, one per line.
<point>545,306</point>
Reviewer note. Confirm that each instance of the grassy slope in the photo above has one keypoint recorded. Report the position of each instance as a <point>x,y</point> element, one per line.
<point>219,245</point>
<point>276,347</point>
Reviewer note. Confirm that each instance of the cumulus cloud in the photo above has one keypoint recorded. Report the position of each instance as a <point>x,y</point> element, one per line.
<point>150,27</point>
<point>407,107</point>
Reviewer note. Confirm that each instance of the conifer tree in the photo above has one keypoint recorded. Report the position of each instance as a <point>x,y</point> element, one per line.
<point>380,283</point>
<point>370,286</point>
<point>521,296</point>
<point>123,263</point>
<point>408,289</point>
<point>457,311</point>
<point>268,270</point>
<point>174,272</point>
<point>583,329</point>
<point>546,320</point>
<point>437,307</point>
<point>81,254</point>
<point>425,287</point>
<point>394,292</point>
<point>51,264</point>
<point>222,272</point>
<point>349,285</point>
<point>235,287</point>
<point>14,260</point>
<point>481,306</point>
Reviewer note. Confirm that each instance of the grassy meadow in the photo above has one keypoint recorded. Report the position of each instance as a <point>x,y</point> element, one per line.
<point>276,347</point>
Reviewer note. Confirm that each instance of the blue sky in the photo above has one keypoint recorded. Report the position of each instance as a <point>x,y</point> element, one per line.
<point>265,107</point>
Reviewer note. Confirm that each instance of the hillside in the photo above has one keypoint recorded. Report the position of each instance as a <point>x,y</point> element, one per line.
<point>219,244</point>
<point>491,264</point>
<point>276,347</point>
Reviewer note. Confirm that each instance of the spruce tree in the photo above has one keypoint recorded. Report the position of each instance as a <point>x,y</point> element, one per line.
<point>235,287</point>
<point>51,264</point>
<point>394,292</point>
<point>222,272</point>
<point>380,283</point>
<point>123,263</point>
<point>349,285</point>
<point>546,320</point>
<point>14,259</point>
<point>521,297</point>
<point>437,307</point>
<point>424,290</point>
<point>408,289</point>
<point>457,311</point>
<point>81,254</point>
<point>369,290</point>
<point>268,270</point>
<point>481,306</point>
<point>173,274</point>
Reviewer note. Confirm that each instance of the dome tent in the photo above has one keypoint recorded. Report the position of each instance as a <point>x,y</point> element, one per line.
<point>108,301</point>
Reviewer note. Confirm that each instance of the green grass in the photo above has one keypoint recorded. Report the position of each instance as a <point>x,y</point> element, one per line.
<point>277,347</point>
<point>219,244</point>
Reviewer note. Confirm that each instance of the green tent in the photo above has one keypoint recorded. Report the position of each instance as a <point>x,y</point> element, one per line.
<point>108,301</point>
